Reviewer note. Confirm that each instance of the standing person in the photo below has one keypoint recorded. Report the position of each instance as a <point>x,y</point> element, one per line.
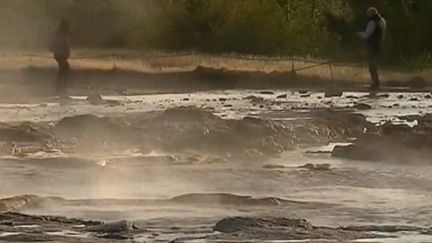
<point>60,47</point>
<point>374,36</point>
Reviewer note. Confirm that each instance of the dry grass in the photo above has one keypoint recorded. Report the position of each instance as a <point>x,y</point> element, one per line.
<point>157,62</point>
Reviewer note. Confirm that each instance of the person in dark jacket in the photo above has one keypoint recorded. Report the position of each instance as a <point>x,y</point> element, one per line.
<point>60,48</point>
<point>374,36</point>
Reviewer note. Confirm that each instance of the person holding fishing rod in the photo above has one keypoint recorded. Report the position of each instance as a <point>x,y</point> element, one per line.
<point>374,36</point>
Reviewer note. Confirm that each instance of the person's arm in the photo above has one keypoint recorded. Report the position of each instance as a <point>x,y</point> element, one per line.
<point>384,28</point>
<point>369,30</point>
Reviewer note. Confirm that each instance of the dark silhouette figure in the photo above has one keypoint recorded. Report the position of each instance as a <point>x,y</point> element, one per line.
<point>374,36</point>
<point>60,47</point>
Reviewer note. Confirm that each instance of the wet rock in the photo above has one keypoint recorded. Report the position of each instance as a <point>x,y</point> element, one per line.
<point>416,82</point>
<point>356,152</point>
<point>33,237</point>
<point>272,228</point>
<point>95,99</point>
<point>385,96</point>
<point>186,115</point>
<point>273,166</point>
<point>389,128</point>
<point>15,203</point>
<point>25,219</point>
<point>266,92</point>
<point>44,226</point>
<point>193,129</point>
<point>113,228</point>
<point>123,91</point>
<point>226,199</point>
<point>384,228</point>
<point>392,143</point>
<point>283,96</point>
<point>91,131</point>
<point>316,167</point>
<point>113,103</point>
<point>86,124</point>
<point>236,224</point>
<point>26,202</point>
<point>410,118</point>
<point>362,106</point>
<point>25,132</point>
<point>254,99</point>
<point>333,93</point>
<point>115,236</point>
<point>7,223</point>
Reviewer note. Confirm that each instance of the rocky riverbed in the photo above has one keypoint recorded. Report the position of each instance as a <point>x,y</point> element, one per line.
<point>217,166</point>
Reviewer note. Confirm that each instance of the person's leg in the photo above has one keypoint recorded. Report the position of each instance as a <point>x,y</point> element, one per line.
<point>373,59</point>
<point>59,72</point>
<point>64,69</point>
<point>63,73</point>
<point>373,70</point>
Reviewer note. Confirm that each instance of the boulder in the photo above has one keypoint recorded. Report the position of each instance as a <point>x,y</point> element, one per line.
<point>362,106</point>
<point>238,224</point>
<point>267,92</point>
<point>273,166</point>
<point>316,167</point>
<point>24,132</point>
<point>225,199</point>
<point>333,93</point>
<point>254,99</point>
<point>95,99</point>
<point>93,128</point>
<point>357,152</point>
<point>274,228</point>
<point>113,228</point>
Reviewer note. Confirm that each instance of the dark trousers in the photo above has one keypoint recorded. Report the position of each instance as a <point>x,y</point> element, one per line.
<point>374,57</point>
<point>63,71</point>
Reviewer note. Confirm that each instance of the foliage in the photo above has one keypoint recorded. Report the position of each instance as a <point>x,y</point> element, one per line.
<point>321,28</point>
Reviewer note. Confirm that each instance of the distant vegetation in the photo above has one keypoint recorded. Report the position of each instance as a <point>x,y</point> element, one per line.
<point>318,28</point>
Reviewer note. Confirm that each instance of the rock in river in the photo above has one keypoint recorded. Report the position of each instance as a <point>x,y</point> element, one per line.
<point>274,228</point>
<point>95,99</point>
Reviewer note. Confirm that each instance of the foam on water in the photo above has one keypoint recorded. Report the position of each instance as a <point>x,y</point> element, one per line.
<point>408,237</point>
<point>69,233</point>
<point>6,234</point>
